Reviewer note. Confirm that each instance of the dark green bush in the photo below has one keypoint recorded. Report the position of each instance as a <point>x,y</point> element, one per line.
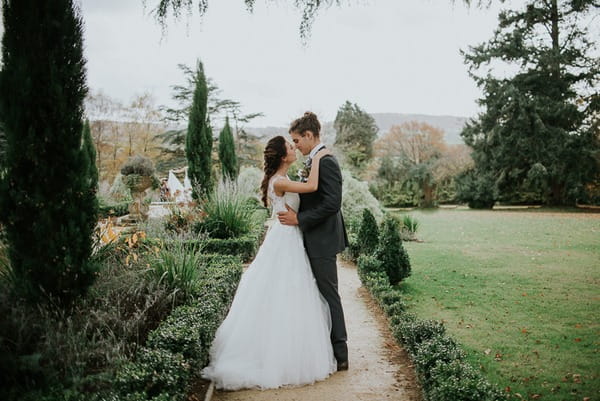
<point>113,210</point>
<point>369,264</point>
<point>245,246</point>
<point>413,333</point>
<point>368,234</point>
<point>391,253</point>
<point>439,348</point>
<point>459,381</point>
<point>155,371</point>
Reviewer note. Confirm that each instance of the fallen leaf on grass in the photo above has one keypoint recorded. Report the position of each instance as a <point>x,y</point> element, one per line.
<point>487,351</point>
<point>578,340</point>
<point>536,396</point>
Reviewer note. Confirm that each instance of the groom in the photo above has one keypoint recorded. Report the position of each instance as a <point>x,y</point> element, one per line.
<point>322,225</point>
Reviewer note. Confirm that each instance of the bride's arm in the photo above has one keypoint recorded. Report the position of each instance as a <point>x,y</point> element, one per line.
<point>311,185</point>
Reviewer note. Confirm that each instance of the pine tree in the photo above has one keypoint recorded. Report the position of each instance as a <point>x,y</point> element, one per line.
<point>48,210</point>
<point>391,253</point>
<point>198,144</point>
<point>538,134</point>
<point>355,133</point>
<point>229,162</point>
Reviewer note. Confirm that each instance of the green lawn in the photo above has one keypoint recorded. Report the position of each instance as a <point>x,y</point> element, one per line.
<point>519,290</point>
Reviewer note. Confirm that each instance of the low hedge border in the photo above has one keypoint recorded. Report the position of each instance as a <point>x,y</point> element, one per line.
<point>114,210</point>
<point>179,348</point>
<point>441,364</point>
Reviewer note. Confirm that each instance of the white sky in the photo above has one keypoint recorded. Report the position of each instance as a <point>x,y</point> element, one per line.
<point>386,55</point>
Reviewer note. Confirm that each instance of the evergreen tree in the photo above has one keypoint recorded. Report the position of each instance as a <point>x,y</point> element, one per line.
<point>89,155</point>
<point>391,253</point>
<point>198,144</point>
<point>229,162</point>
<point>538,135</point>
<point>45,193</point>
<point>355,132</point>
<point>368,233</point>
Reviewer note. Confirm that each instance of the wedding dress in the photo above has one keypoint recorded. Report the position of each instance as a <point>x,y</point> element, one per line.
<point>277,332</point>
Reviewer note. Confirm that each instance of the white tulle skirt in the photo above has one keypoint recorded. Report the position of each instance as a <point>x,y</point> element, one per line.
<point>277,332</point>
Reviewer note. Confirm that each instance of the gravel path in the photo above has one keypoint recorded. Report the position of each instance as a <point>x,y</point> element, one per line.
<point>379,369</point>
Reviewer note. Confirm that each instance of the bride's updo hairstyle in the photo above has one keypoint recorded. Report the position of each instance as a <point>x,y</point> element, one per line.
<point>275,151</point>
<point>308,122</point>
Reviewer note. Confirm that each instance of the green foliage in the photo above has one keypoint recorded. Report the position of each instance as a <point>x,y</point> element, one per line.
<point>89,156</point>
<point>539,129</point>
<point>46,199</point>
<point>477,189</point>
<point>410,225</point>
<point>368,234</point>
<point>177,265</point>
<point>227,213</point>
<point>119,191</point>
<point>391,253</point>
<point>112,209</point>
<point>138,165</point>
<point>179,347</point>
<point>440,363</point>
<point>198,143</point>
<point>356,197</point>
<point>369,264</point>
<point>355,132</point>
<point>154,372</point>
<point>229,162</point>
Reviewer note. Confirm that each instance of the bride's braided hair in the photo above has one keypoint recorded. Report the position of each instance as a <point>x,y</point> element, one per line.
<point>275,150</point>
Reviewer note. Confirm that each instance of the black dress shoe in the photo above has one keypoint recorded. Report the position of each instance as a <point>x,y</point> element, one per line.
<point>342,366</point>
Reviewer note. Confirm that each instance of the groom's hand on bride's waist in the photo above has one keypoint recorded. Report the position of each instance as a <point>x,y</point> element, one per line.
<point>288,218</point>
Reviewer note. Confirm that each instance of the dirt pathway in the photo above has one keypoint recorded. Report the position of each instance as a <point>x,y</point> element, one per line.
<point>379,369</point>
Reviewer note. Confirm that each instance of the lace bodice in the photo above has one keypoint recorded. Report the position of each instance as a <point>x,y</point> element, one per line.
<point>279,202</point>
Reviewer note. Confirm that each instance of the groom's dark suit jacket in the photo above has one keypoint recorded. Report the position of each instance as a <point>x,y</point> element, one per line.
<point>320,217</point>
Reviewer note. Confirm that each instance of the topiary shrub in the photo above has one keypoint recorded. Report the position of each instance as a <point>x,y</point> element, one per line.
<point>369,264</point>
<point>368,234</point>
<point>391,253</point>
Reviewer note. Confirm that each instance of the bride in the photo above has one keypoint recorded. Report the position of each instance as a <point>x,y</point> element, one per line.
<point>277,332</point>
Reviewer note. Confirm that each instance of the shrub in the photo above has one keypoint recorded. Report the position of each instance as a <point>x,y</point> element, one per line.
<point>410,225</point>
<point>391,253</point>
<point>412,332</point>
<point>439,348</point>
<point>176,265</point>
<point>368,234</point>
<point>112,209</point>
<point>227,214</point>
<point>369,264</point>
<point>138,165</point>
<point>356,197</point>
<point>459,381</point>
<point>154,372</point>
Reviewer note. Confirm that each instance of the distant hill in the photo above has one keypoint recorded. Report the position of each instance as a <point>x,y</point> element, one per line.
<point>451,125</point>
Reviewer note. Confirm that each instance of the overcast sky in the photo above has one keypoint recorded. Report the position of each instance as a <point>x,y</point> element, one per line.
<point>386,55</point>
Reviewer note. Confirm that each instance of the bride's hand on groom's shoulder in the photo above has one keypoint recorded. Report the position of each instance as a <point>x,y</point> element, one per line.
<point>321,153</point>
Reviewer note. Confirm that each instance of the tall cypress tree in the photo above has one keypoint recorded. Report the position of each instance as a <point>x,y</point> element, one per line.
<point>198,143</point>
<point>44,194</point>
<point>229,162</point>
<point>538,133</point>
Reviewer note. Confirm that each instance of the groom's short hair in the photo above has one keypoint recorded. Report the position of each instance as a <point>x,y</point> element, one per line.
<point>308,122</point>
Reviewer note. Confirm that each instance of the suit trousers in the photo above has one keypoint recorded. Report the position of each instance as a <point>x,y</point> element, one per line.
<point>325,272</point>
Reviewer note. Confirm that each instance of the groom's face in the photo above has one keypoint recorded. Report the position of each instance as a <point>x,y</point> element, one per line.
<point>303,143</point>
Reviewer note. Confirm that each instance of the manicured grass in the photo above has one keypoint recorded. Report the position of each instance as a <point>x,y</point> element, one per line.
<point>519,290</point>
